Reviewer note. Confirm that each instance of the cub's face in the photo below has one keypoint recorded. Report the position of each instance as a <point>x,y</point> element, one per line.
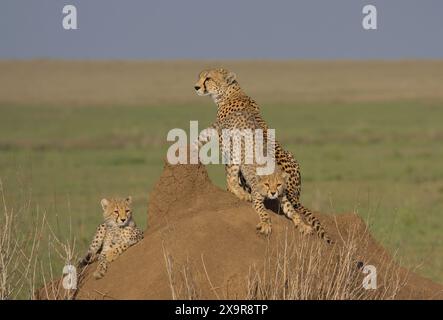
<point>214,82</point>
<point>272,186</point>
<point>117,212</point>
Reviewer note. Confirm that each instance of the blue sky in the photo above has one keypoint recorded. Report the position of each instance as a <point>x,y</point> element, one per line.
<point>228,29</point>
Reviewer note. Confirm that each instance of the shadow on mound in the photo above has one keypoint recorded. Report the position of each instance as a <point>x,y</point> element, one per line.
<point>201,243</point>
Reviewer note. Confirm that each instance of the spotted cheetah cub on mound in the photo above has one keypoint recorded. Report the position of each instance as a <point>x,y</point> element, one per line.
<point>272,186</point>
<point>115,235</point>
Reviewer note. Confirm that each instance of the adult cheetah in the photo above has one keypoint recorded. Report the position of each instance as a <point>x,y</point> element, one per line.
<point>222,86</point>
<point>262,179</point>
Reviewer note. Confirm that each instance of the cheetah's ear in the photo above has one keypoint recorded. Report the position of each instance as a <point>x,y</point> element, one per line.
<point>104,203</point>
<point>231,78</point>
<point>128,200</point>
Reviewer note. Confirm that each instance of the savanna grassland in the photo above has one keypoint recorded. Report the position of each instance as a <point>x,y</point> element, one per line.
<point>368,135</point>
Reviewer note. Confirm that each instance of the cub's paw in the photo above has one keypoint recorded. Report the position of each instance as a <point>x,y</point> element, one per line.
<point>98,274</point>
<point>245,197</point>
<point>264,227</point>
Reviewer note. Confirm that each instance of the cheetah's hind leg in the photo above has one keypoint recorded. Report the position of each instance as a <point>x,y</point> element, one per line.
<point>94,248</point>
<point>232,181</point>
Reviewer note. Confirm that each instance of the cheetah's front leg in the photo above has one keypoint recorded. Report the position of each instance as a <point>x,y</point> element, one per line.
<point>105,258</point>
<point>264,226</point>
<point>95,246</point>
<point>205,136</point>
<point>289,211</point>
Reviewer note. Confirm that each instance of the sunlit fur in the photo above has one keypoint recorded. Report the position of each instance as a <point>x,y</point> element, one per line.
<point>117,212</point>
<point>222,86</point>
<point>272,186</point>
<point>116,234</point>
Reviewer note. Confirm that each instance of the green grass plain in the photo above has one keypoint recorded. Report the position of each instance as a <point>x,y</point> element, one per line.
<point>383,160</point>
<point>375,147</point>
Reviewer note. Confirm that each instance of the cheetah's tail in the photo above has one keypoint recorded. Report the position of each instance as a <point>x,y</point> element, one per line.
<point>314,222</point>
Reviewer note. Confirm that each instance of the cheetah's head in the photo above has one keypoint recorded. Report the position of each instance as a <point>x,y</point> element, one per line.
<point>214,82</point>
<point>273,185</point>
<point>117,212</point>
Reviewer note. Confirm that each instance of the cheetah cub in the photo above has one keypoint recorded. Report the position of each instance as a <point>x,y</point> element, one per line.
<point>272,186</point>
<point>115,235</point>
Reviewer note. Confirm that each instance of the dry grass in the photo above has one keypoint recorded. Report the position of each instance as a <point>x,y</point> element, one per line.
<point>18,254</point>
<point>308,271</point>
<point>181,278</point>
<point>298,270</point>
<point>143,83</point>
<point>26,259</point>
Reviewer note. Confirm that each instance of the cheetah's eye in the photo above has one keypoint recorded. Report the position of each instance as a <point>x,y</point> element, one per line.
<point>127,210</point>
<point>278,185</point>
<point>266,184</point>
<point>116,211</point>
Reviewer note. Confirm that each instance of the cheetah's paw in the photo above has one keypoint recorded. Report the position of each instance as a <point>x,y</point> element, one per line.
<point>264,227</point>
<point>98,274</point>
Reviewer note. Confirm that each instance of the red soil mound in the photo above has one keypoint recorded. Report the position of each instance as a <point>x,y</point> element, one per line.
<point>201,243</point>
